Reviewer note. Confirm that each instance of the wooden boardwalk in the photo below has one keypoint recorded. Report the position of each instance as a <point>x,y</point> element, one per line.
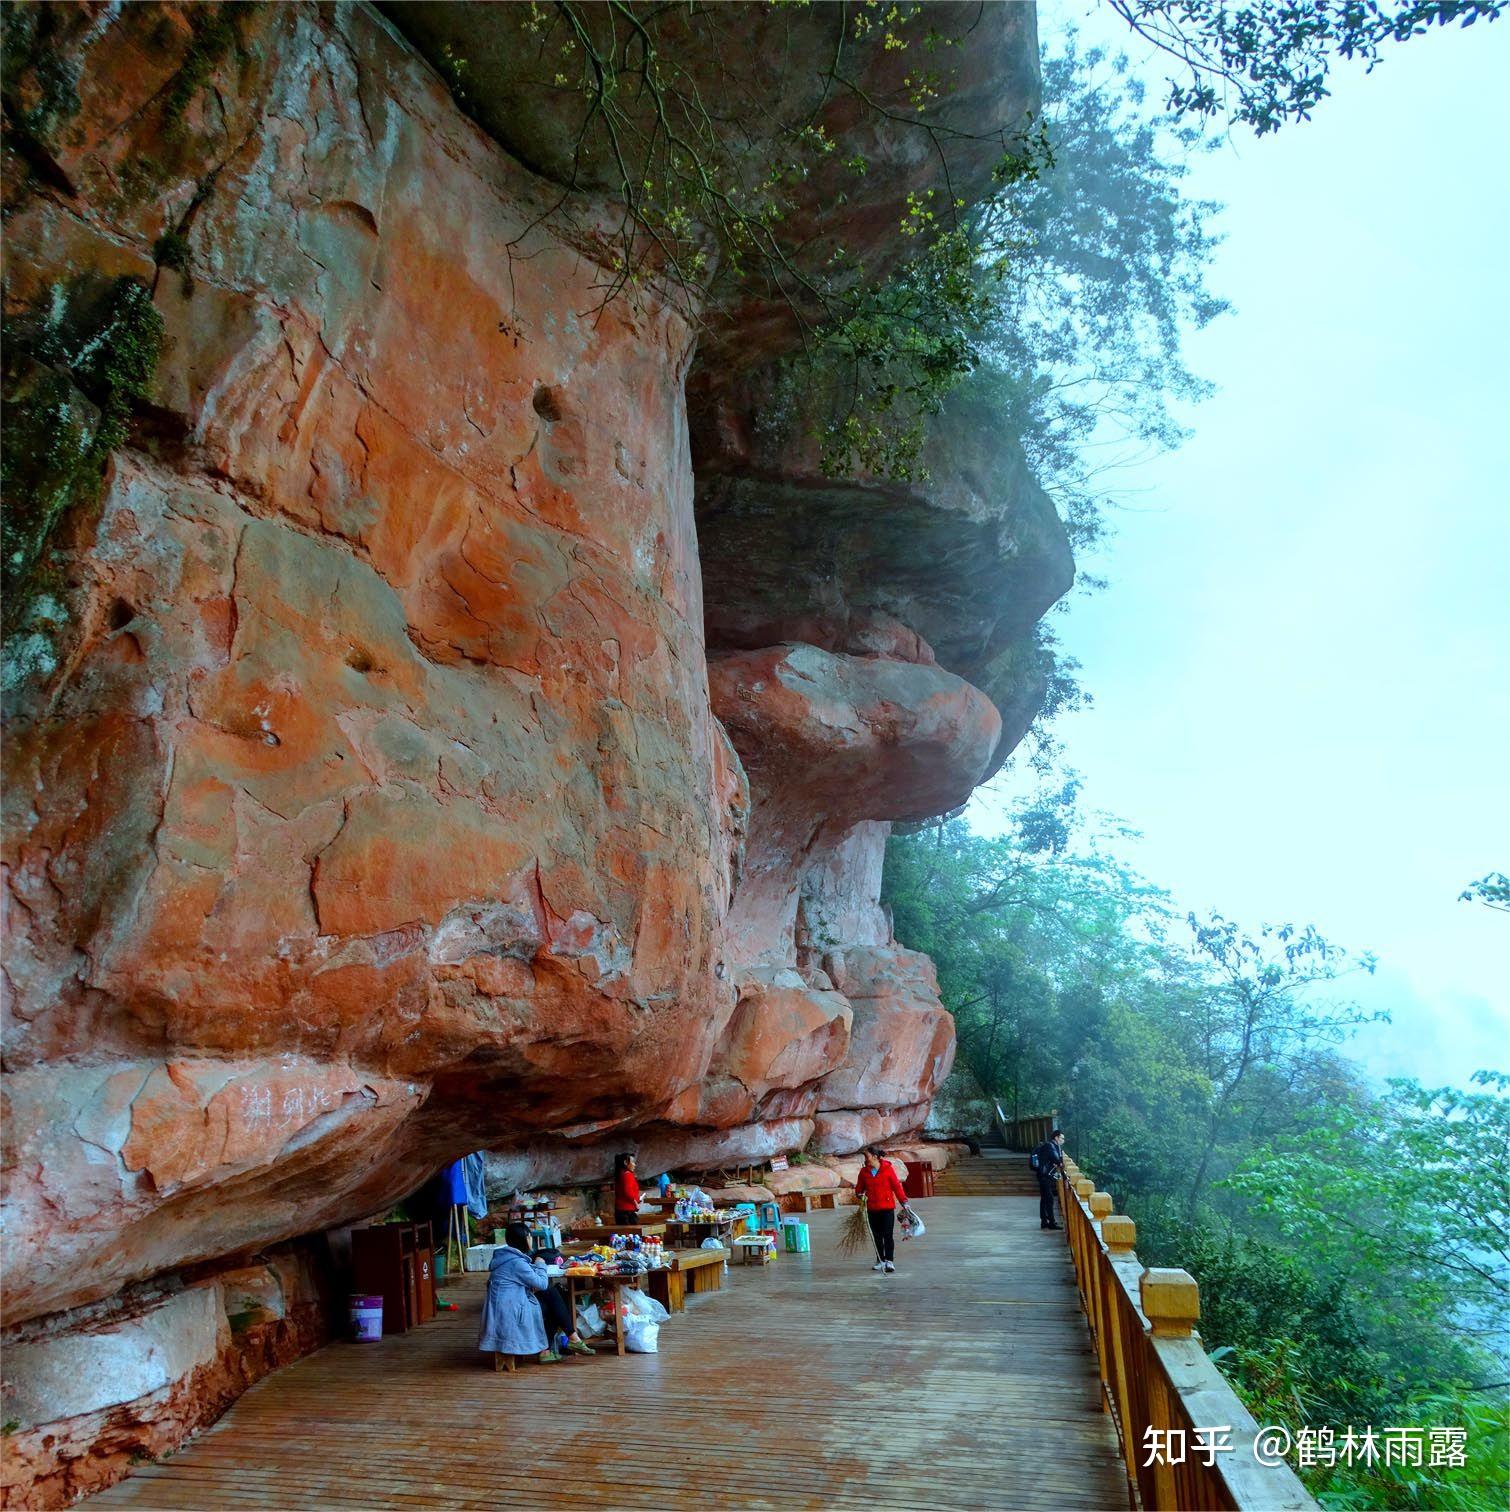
<point>964,1380</point>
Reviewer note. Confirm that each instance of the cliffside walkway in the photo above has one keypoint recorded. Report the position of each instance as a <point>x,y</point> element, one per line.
<point>965,1380</point>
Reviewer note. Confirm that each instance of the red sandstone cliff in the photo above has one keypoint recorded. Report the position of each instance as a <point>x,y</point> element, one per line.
<point>411,751</point>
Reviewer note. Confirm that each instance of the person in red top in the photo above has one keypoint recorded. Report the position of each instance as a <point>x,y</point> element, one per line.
<point>626,1192</point>
<point>882,1191</point>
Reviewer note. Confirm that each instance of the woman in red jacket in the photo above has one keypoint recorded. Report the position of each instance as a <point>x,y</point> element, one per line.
<point>626,1192</point>
<point>877,1183</point>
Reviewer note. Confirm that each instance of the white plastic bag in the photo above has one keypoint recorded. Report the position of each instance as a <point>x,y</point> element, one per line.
<point>589,1321</point>
<point>638,1305</point>
<point>912,1225</point>
<point>641,1336</point>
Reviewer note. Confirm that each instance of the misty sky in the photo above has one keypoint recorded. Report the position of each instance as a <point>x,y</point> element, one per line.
<point>1299,670</point>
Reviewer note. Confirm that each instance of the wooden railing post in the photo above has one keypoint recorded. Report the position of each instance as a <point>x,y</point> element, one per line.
<point>1172,1304</point>
<point>1120,1234</point>
<point>1082,1237</point>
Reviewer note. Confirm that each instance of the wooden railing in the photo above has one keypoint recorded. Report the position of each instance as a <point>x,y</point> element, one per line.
<point>1024,1133</point>
<point>1157,1379</point>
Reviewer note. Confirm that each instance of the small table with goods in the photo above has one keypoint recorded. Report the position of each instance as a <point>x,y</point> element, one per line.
<point>689,1233</point>
<point>755,1249</point>
<point>607,1273</point>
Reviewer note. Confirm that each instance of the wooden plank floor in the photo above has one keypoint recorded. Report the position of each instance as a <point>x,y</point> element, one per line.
<point>964,1380</point>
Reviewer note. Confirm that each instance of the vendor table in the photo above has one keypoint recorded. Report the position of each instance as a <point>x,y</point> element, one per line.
<point>689,1234</point>
<point>612,1287</point>
<point>601,1233</point>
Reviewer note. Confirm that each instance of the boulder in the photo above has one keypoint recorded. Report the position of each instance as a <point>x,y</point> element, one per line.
<point>802,1178</point>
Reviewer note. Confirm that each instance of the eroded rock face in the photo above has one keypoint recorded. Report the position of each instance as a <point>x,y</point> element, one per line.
<point>378,811</point>
<point>409,755</point>
<point>84,1404</point>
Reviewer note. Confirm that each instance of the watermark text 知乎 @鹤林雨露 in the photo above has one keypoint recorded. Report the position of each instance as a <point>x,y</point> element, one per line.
<point>1425,1448</point>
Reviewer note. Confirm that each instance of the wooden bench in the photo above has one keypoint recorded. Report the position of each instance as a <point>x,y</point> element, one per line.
<point>806,1202</point>
<point>696,1270</point>
<point>703,1269</point>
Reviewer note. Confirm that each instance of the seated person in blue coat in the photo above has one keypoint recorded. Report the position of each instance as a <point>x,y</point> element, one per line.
<point>523,1313</point>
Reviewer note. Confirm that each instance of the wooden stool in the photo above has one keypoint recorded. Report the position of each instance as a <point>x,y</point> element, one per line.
<point>506,1362</point>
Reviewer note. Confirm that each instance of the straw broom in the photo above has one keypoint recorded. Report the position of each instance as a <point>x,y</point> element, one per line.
<point>854,1232</point>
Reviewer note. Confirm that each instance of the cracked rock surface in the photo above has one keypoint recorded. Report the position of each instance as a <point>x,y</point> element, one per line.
<point>429,757</point>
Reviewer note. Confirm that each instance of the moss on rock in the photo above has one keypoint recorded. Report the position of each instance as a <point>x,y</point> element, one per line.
<point>72,380</point>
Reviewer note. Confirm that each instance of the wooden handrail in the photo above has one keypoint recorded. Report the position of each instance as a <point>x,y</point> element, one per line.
<point>1156,1376</point>
<point>1024,1133</point>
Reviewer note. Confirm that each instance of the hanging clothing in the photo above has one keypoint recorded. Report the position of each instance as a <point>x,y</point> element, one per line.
<point>463,1182</point>
<point>511,1319</point>
<point>474,1168</point>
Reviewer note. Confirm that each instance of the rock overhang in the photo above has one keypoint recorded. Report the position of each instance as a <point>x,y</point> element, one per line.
<point>403,763</point>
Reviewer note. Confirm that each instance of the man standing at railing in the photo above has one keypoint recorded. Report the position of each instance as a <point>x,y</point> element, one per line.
<point>1048,1163</point>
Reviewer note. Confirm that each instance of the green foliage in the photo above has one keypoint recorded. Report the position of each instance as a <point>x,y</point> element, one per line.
<point>1350,1246</point>
<point>171,250</point>
<point>115,362</point>
<point>1064,294</point>
<point>214,34</point>
<point>1102,261</point>
<point>1482,1484</point>
<point>895,356</point>
<point>707,187</point>
<point>1412,1186</point>
<point>1266,62</point>
<point>1060,304</point>
<point>1287,1336</point>
<point>72,382</point>
<point>40,85</point>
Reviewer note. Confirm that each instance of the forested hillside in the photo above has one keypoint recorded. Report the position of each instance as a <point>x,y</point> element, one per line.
<point>1351,1241</point>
